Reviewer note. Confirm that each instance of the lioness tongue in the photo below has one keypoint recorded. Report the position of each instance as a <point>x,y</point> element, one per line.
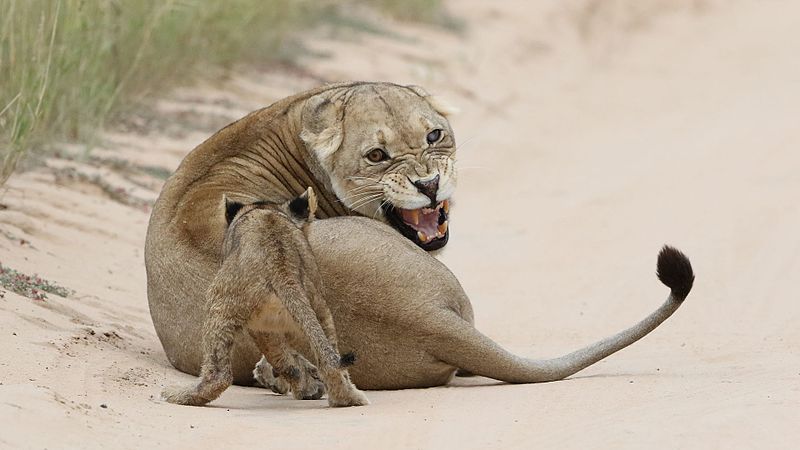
<point>424,220</point>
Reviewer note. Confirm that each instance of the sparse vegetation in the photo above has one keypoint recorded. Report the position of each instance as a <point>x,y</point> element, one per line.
<point>31,286</point>
<point>426,11</point>
<point>69,66</point>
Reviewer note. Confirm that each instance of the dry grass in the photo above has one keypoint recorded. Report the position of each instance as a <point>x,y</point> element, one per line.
<point>69,66</point>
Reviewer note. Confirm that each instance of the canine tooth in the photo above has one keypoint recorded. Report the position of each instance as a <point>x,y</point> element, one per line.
<point>446,206</point>
<point>422,236</point>
<point>415,216</point>
<point>443,228</point>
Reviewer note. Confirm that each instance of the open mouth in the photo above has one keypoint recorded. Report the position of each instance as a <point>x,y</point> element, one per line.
<point>426,227</point>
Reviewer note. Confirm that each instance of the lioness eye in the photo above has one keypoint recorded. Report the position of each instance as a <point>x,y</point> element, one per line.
<point>434,136</point>
<point>377,155</point>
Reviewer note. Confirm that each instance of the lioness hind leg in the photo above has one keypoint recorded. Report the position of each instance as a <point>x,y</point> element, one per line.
<point>290,371</point>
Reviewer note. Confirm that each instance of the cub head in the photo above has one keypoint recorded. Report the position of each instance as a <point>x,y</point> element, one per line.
<point>299,210</point>
<point>388,152</point>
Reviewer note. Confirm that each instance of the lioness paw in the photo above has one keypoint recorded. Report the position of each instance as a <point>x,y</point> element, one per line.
<point>263,374</point>
<point>309,388</point>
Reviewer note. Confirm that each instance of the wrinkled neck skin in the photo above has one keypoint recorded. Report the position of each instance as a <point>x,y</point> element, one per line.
<point>282,166</point>
<point>277,166</point>
<point>258,158</point>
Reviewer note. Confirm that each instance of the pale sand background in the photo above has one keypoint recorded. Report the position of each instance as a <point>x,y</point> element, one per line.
<point>589,137</point>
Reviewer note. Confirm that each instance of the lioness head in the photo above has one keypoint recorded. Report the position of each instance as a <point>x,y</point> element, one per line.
<point>388,152</point>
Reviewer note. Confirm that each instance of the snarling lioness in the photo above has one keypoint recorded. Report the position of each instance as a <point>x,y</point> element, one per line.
<point>385,154</point>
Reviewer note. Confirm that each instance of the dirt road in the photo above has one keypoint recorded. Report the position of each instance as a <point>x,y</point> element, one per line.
<point>589,136</point>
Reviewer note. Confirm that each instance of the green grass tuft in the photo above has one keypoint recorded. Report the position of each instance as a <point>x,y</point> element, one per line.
<point>69,66</point>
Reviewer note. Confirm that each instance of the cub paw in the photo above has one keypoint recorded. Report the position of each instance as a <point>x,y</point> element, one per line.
<point>353,397</point>
<point>180,395</point>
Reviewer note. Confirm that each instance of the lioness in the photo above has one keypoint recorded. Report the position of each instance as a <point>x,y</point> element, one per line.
<point>280,305</point>
<point>377,150</point>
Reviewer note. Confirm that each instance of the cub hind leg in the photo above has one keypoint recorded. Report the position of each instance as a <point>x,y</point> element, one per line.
<point>305,305</point>
<point>277,379</point>
<point>224,321</point>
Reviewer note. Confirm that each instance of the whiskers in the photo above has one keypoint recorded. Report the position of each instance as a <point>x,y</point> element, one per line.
<point>378,209</point>
<point>459,168</point>
<point>361,202</point>
<point>364,190</point>
<point>364,194</point>
<point>372,180</point>
<point>465,143</point>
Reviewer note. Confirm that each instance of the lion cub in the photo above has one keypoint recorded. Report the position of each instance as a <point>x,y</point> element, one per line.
<point>268,284</point>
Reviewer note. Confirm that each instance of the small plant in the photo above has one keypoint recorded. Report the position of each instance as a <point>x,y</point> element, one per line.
<point>31,286</point>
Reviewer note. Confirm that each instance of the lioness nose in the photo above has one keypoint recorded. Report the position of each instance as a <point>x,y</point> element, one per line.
<point>429,188</point>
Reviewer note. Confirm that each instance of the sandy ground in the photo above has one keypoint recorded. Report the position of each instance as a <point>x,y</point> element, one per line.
<point>591,134</point>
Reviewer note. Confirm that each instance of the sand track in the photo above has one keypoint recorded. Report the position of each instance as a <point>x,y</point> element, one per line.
<point>601,130</point>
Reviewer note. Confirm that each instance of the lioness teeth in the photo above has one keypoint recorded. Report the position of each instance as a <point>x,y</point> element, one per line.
<point>429,224</point>
<point>446,206</point>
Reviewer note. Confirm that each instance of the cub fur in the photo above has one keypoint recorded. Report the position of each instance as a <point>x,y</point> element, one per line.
<point>269,285</point>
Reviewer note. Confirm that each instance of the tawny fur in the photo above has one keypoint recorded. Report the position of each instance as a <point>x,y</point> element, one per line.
<point>397,308</point>
<point>269,286</point>
<point>263,157</point>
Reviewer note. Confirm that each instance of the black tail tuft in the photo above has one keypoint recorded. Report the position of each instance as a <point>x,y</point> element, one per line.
<point>347,360</point>
<point>675,270</point>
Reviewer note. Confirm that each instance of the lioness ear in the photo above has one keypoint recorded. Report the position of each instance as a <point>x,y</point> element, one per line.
<point>304,206</point>
<point>438,104</point>
<point>231,208</point>
<point>322,126</point>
